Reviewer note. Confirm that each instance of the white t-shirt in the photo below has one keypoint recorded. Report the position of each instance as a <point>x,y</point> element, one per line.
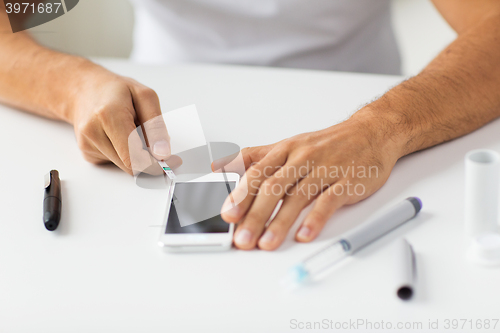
<point>343,35</point>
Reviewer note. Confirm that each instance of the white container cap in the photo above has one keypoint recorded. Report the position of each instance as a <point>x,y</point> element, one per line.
<point>485,249</point>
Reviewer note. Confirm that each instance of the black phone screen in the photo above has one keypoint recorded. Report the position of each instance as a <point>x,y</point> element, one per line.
<point>195,207</point>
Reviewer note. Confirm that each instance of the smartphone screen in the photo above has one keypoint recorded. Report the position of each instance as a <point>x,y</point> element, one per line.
<point>195,207</point>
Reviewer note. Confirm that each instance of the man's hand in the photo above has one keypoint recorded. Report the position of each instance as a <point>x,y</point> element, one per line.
<point>337,166</point>
<point>107,110</point>
<point>104,108</point>
<point>457,93</point>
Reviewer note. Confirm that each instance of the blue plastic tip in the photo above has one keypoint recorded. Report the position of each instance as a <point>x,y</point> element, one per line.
<point>417,203</point>
<point>300,273</point>
<point>297,275</point>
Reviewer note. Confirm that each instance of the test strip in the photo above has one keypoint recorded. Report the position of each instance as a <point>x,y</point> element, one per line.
<point>168,171</point>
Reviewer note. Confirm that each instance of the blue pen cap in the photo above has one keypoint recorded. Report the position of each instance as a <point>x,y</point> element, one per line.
<point>417,203</point>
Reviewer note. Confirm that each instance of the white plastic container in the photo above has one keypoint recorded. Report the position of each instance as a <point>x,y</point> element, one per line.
<point>485,250</point>
<point>482,182</point>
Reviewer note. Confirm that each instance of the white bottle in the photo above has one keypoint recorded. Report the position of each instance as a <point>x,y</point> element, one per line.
<point>482,182</point>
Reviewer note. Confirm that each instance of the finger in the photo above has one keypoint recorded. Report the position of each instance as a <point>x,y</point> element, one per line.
<point>297,198</point>
<point>117,125</point>
<point>326,204</point>
<point>140,159</point>
<point>240,199</point>
<point>90,152</point>
<point>231,163</point>
<point>95,158</point>
<point>102,143</point>
<point>174,161</point>
<point>272,190</point>
<point>147,107</point>
<point>247,157</point>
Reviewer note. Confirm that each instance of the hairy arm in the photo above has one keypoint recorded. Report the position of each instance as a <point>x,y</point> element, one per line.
<point>25,69</point>
<point>458,92</point>
<point>103,107</point>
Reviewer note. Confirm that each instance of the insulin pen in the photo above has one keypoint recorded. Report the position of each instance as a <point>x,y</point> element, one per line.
<point>352,241</point>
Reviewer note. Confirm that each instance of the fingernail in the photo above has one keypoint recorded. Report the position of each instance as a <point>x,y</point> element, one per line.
<point>229,209</point>
<point>268,237</point>
<point>304,232</point>
<point>243,237</point>
<point>161,148</point>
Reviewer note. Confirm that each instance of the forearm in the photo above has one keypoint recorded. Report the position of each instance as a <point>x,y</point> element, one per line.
<point>34,78</point>
<point>458,92</point>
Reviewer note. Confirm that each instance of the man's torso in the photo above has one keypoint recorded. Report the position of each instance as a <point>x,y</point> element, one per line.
<point>347,35</point>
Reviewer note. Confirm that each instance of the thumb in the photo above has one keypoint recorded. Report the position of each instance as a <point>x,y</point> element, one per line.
<point>147,108</point>
<point>157,138</point>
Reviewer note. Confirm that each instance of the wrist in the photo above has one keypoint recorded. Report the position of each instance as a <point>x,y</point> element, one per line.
<point>75,75</point>
<point>382,131</point>
<point>56,82</point>
<point>70,78</point>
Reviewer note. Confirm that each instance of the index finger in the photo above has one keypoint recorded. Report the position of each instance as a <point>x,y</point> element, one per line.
<point>242,161</point>
<point>241,198</point>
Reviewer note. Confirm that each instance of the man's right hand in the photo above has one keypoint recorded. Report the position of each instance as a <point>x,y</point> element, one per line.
<point>106,110</point>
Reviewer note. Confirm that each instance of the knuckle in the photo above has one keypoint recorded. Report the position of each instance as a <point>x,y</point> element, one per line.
<point>85,129</point>
<point>298,196</point>
<point>317,218</point>
<point>246,151</point>
<point>255,171</point>
<point>305,155</point>
<point>304,193</point>
<point>147,93</point>
<point>102,114</point>
<point>254,219</point>
<point>129,81</point>
<point>269,185</point>
<point>286,144</point>
<point>282,149</point>
<point>252,150</point>
<point>334,193</point>
<point>155,124</point>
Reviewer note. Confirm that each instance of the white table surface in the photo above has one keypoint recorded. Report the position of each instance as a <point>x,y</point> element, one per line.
<point>102,270</point>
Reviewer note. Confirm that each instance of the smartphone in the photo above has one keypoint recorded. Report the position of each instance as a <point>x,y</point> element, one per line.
<point>192,221</point>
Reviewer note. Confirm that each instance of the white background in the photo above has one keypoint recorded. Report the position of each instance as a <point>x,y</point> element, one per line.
<point>102,270</point>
